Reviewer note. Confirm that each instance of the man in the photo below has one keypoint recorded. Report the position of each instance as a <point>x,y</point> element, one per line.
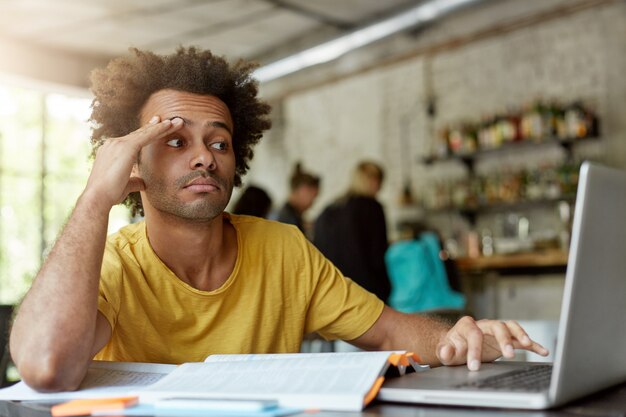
<point>192,280</point>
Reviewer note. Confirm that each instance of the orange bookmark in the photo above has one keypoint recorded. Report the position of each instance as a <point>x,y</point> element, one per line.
<point>86,407</point>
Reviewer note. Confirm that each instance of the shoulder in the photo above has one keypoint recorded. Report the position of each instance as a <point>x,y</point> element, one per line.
<point>363,200</point>
<point>363,204</point>
<point>256,227</point>
<point>331,219</point>
<point>122,245</point>
<point>261,241</point>
<point>129,234</point>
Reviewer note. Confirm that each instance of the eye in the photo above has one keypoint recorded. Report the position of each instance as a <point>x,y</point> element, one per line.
<point>220,146</point>
<point>175,143</point>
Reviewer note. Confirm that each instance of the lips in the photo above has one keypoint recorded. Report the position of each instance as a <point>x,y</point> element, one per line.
<point>201,184</point>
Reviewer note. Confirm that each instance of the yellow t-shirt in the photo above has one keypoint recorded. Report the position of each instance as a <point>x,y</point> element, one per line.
<point>281,288</point>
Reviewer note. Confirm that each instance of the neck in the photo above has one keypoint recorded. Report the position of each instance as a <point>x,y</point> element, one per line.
<point>202,254</point>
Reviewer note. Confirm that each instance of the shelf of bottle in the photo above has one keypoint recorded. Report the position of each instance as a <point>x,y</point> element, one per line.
<point>549,258</point>
<point>508,146</point>
<point>501,206</point>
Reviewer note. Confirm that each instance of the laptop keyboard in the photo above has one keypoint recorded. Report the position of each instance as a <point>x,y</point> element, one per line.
<point>534,378</point>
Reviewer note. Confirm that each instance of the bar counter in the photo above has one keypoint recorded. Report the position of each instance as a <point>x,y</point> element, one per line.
<point>547,259</point>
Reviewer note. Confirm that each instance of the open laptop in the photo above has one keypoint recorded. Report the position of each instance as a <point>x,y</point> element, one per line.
<point>591,345</point>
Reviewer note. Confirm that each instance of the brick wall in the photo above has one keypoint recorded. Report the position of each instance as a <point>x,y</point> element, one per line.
<point>381,114</point>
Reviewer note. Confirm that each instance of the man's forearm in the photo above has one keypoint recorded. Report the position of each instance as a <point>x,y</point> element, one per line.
<point>53,334</point>
<point>419,334</point>
<point>411,332</point>
<point>468,341</point>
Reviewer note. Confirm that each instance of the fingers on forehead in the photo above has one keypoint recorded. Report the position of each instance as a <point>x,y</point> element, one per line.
<point>151,131</point>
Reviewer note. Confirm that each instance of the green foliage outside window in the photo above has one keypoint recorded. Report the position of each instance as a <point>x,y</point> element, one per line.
<point>44,165</point>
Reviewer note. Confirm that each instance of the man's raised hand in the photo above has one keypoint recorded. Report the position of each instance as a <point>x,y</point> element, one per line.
<point>110,180</point>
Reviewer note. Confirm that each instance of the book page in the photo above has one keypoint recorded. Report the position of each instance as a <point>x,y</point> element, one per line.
<point>300,380</point>
<point>285,356</point>
<point>335,356</point>
<point>106,378</point>
<point>103,379</point>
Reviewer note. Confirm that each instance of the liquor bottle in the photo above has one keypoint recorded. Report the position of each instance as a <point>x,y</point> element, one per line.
<point>560,124</point>
<point>441,147</point>
<point>484,140</point>
<point>549,120</point>
<point>593,125</point>
<point>470,139</point>
<point>455,140</point>
<point>575,121</point>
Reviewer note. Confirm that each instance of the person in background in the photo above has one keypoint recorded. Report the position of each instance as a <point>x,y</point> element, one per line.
<point>253,201</point>
<point>303,190</point>
<point>352,231</point>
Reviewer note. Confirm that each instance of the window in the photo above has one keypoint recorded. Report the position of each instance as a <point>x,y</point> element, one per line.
<point>44,165</point>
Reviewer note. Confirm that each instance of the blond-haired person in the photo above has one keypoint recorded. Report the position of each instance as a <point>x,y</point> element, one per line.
<point>352,231</point>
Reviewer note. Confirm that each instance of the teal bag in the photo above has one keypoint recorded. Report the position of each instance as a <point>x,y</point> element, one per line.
<point>418,277</point>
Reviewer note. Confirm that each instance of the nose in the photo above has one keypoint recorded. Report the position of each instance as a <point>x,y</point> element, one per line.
<point>202,158</point>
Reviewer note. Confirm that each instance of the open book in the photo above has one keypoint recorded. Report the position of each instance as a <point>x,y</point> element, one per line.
<point>324,381</point>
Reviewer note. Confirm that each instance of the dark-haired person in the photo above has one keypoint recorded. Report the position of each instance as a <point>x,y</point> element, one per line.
<point>303,190</point>
<point>253,201</point>
<point>174,135</point>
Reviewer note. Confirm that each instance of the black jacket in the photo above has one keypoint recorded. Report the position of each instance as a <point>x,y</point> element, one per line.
<point>352,233</point>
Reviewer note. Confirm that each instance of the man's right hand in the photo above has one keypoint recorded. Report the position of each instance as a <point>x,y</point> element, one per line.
<point>111,178</point>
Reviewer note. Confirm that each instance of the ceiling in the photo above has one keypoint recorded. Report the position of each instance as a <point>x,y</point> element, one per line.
<point>255,29</point>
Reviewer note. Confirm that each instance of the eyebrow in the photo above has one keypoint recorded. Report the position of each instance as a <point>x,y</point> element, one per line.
<point>215,124</point>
